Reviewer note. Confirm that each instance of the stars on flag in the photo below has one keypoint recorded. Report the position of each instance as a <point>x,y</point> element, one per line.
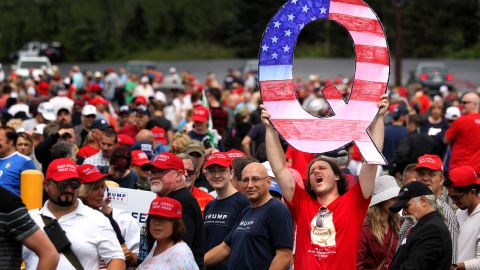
<point>279,39</point>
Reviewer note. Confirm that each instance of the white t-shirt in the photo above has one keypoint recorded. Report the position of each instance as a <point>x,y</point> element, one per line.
<point>469,238</point>
<point>129,228</point>
<point>178,256</point>
<point>90,233</point>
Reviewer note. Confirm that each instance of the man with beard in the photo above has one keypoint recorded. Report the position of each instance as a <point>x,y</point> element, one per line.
<point>167,179</point>
<point>89,231</point>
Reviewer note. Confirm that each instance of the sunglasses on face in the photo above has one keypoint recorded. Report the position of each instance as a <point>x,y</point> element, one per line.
<point>254,179</point>
<point>458,197</point>
<point>74,184</point>
<point>190,172</point>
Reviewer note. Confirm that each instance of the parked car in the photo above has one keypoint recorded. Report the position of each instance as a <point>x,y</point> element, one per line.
<point>53,50</point>
<point>37,64</point>
<point>432,76</point>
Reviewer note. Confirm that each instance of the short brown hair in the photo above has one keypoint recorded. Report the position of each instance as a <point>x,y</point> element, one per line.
<point>177,234</point>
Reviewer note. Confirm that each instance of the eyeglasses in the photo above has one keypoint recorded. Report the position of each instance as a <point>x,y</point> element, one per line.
<point>190,172</point>
<point>322,212</point>
<point>92,116</point>
<point>74,184</point>
<point>458,197</point>
<point>216,170</point>
<point>254,179</point>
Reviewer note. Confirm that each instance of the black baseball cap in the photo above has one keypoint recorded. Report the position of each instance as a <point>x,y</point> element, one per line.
<point>407,192</point>
<point>101,124</point>
<point>142,109</point>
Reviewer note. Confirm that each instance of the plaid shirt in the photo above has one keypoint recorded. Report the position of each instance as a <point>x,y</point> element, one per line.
<point>450,220</point>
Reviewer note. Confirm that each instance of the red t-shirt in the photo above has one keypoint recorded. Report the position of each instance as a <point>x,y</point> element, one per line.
<point>202,197</point>
<point>333,246</point>
<point>300,160</point>
<point>87,151</point>
<point>465,137</point>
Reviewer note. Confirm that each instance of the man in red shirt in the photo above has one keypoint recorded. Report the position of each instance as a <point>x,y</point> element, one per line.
<point>328,215</point>
<point>464,134</point>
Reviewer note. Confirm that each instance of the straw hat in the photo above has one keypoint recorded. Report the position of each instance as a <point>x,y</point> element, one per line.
<point>386,187</point>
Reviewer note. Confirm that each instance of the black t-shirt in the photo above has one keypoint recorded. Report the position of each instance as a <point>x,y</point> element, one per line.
<point>127,181</point>
<point>257,236</point>
<point>220,218</point>
<point>15,225</point>
<point>192,217</point>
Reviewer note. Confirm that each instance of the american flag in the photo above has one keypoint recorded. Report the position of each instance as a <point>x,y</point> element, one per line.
<point>302,130</point>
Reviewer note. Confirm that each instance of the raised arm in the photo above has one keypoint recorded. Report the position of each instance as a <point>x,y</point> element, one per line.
<point>377,132</point>
<point>276,157</point>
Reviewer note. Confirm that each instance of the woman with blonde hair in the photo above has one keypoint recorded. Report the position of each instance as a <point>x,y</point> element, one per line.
<point>379,235</point>
<point>92,193</point>
<point>179,143</point>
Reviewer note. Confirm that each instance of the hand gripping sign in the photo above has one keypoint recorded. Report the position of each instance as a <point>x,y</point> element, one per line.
<point>351,120</point>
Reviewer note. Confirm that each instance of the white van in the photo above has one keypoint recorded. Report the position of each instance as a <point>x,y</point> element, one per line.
<point>37,63</point>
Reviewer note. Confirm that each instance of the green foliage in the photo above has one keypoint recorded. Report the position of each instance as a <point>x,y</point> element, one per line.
<point>93,30</point>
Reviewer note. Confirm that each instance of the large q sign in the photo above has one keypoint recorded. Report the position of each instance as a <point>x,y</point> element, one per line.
<point>302,130</point>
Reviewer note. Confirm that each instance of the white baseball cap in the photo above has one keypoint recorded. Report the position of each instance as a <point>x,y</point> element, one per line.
<point>452,113</point>
<point>89,110</point>
<point>38,129</point>
<point>47,110</point>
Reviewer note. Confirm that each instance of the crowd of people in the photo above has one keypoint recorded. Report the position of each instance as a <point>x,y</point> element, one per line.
<point>230,193</point>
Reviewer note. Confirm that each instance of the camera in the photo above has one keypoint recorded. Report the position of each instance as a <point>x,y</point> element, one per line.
<point>206,143</point>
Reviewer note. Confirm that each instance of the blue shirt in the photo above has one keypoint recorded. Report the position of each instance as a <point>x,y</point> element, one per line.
<point>10,169</point>
<point>221,216</point>
<point>393,135</point>
<point>257,236</point>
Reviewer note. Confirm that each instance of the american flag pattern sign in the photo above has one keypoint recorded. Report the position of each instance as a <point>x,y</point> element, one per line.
<point>351,120</point>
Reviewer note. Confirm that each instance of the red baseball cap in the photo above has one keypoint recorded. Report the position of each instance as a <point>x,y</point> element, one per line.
<point>165,161</point>
<point>218,158</point>
<point>124,139</point>
<point>140,100</point>
<point>62,169</point>
<point>98,100</point>
<point>165,207</point>
<point>432,162</point>
<point>139,158</point>
<point>200,113</point>
<point>89,173</point>
<point>159,134</point>
<point>463,176</point>
<point>234,153</point>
